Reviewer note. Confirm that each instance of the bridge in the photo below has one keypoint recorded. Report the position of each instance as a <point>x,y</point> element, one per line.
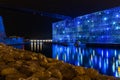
<point>35,12</point>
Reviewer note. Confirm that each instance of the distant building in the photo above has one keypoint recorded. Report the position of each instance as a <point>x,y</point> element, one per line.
<point>99,27</point>
<point>2,30</point>
<point>8,40</point>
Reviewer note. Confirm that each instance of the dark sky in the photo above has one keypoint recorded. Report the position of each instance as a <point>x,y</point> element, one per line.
<point>29,25</point>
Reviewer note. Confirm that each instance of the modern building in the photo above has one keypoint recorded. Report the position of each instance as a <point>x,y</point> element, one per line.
<point>99,27</point>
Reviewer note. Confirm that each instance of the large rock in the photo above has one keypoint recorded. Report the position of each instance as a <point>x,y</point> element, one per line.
<point>42,75</point>
<point>92,73</point>
<point>16,76</point>
<point>83,77</point>
<point>55,73</point>
<point>8,71</point>
<point>80,70</point>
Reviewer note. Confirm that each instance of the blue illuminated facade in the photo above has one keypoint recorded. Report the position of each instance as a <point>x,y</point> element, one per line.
<point>98,27</point>
<point>2,30</point>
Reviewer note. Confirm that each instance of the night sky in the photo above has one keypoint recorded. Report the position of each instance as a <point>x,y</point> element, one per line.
<point>30,25</point>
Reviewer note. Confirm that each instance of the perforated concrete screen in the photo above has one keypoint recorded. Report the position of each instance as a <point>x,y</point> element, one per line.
<point>99,27</point>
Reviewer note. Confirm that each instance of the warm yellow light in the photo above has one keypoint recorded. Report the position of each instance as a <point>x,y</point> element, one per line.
<point>119,69</point>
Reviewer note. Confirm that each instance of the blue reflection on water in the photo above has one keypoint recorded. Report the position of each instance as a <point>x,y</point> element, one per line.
<point>105,60</point>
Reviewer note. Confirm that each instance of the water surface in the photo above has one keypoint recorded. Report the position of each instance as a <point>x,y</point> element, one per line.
<point>105,60</point>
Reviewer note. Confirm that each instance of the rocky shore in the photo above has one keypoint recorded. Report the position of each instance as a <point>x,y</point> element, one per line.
<point>18,64</point>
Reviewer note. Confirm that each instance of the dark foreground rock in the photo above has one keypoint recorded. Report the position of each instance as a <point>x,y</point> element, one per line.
<point>18,64</point>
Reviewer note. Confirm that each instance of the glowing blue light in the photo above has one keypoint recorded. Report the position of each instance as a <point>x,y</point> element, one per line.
<point>100,63</point>
<point>101,27</point>
<point>102,53</point>
<point>73,56</point>
<point>117,28</point>
<point>117,15</point>
<point>68,50</point>
<point>95,60</point>
<point>62,24</point>
<point>115,53</point>
<point>107,53</point>
<point>92,28</point>
<point>106,11</point>
<point>60,39</point>
<point>104,67</point>
<point>90,63</point>
<point>78,22</point>
<point>113,67</point>
<point>107,28</point>
<point>78,63</point>
<point>88,20</point>
<point>68,36</point>
<point>107,61</point>
<point>114,23</point>
<point>65,57</point>
<point>91,58</point>
<point>99,13</point>
<point>79,50</point>
<point>86,16</point>
<point>69,24</point>
<point>116,74</point>
<point>116,63</point>
<point>81,57</point>
<point>79,36</point>
<point>57,26</point>
<point>105,18</point>
<point>93,52</point>
<point>92,20</point>
<point>68,54</point>
<point>76,50</point>
<point>63,31</point>
<point>61,49</point>
<point>83,52</point>
<point>102,36</point>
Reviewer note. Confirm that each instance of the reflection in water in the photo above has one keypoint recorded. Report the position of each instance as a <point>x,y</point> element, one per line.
<point>105,60</point>
<point>40,46</point>
<point>36,45</point>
